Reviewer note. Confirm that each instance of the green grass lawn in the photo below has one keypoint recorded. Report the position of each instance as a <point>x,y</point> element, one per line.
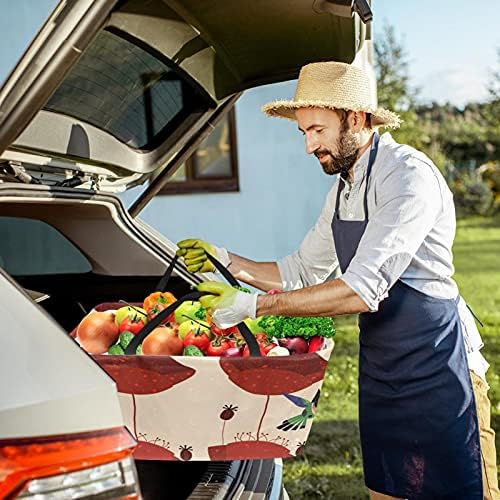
<point>330,467</point>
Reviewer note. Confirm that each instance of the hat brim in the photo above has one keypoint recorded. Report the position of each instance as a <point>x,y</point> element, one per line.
<point>381,117</point>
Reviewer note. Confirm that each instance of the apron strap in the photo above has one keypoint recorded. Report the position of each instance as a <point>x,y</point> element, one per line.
<point>339,191</point>
<point>371,161</point>
<point>474,315</point>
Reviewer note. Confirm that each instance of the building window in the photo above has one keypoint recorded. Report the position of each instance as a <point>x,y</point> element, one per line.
<point>213,166</point>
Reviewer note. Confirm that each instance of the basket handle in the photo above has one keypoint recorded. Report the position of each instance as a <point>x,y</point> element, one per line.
<point>162,284</point>
<point>250,339</point>
<point>223,270</point>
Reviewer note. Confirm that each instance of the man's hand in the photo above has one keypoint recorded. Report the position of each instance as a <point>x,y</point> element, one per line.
<point>194,251</point>
<point>227,305</point>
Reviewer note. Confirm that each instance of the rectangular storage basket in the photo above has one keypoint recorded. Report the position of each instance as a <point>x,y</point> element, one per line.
<point>210,408</point>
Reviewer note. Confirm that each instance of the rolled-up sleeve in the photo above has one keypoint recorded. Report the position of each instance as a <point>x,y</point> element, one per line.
<point>408,203</point>
<point>315,260</point>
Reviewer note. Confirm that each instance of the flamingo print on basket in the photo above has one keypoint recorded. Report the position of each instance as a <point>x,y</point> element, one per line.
<point>300,421</point>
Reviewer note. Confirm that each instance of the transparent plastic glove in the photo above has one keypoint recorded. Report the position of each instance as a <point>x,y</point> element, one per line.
<point>194,252</point>
<point>227,305</point>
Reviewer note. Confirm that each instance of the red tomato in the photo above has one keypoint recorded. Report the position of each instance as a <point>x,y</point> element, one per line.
<point>237,334</point>
<point>200,340</point>
<point>218,346</point>
<point>223,332</point>
<point>263,347</point>
<point>261,338</point>
<point>129,325</point>
<point>157,309</point>
<point>232,341</point>
<point>219,332</point>
<point>268,347</point>
<point>246,351</point>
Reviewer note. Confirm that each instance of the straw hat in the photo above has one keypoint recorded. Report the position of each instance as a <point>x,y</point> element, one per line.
<point>333,85</point>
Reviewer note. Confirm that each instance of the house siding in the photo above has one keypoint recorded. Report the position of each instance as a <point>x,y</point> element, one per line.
<point>282,190</point>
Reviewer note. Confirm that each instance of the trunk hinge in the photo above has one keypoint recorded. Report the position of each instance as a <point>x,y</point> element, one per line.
<point>346,8</point>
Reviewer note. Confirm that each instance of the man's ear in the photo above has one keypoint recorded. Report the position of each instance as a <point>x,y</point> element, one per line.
<point>357,120</point>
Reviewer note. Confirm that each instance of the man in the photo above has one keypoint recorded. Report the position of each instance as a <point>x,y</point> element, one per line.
<point>388,224</point>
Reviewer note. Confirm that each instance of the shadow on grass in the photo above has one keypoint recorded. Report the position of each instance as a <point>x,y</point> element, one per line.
<point>330,465</point>
<point>327,487</point>
<point>333,442</point>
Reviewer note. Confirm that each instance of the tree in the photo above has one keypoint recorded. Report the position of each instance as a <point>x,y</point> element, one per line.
<point>396,93</point>
<point>464,138</point>
<point>391,69</point>
<point>491,111</point>
<point>494,84</point>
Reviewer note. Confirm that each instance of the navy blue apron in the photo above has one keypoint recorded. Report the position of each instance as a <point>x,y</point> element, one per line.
<point>417,415</point>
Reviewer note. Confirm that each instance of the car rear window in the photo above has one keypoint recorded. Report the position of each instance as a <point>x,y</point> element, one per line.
<point>31,247</point>
<point>127,90</point>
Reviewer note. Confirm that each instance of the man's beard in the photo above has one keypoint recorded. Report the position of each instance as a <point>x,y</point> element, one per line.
<point>347,153</point>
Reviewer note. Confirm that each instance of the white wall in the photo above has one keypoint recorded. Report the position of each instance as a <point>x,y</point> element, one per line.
<point>281,192</point>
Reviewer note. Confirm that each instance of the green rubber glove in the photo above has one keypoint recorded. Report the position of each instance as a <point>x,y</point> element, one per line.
<point>194,252</point>
<point>221,294</point>
<point>227,305</point>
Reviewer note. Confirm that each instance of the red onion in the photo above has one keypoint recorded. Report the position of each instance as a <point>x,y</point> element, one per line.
<point>296,345</point>
<point>232,352</point>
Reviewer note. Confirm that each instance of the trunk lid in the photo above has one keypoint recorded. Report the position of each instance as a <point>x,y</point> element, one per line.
<point>111,93</point>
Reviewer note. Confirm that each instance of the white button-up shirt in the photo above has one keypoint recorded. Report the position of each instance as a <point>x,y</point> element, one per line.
<point>409,235</point>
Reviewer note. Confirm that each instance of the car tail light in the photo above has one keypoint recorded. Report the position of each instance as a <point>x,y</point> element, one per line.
<point>69,466</point>
<point>112,480</point>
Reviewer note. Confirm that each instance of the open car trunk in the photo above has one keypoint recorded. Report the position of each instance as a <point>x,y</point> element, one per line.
<point>71,270</point>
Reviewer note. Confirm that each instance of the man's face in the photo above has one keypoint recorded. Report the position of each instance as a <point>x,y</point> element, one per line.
<point>329,138</point>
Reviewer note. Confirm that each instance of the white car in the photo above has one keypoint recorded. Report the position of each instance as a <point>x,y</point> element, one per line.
<point>109,95</point>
